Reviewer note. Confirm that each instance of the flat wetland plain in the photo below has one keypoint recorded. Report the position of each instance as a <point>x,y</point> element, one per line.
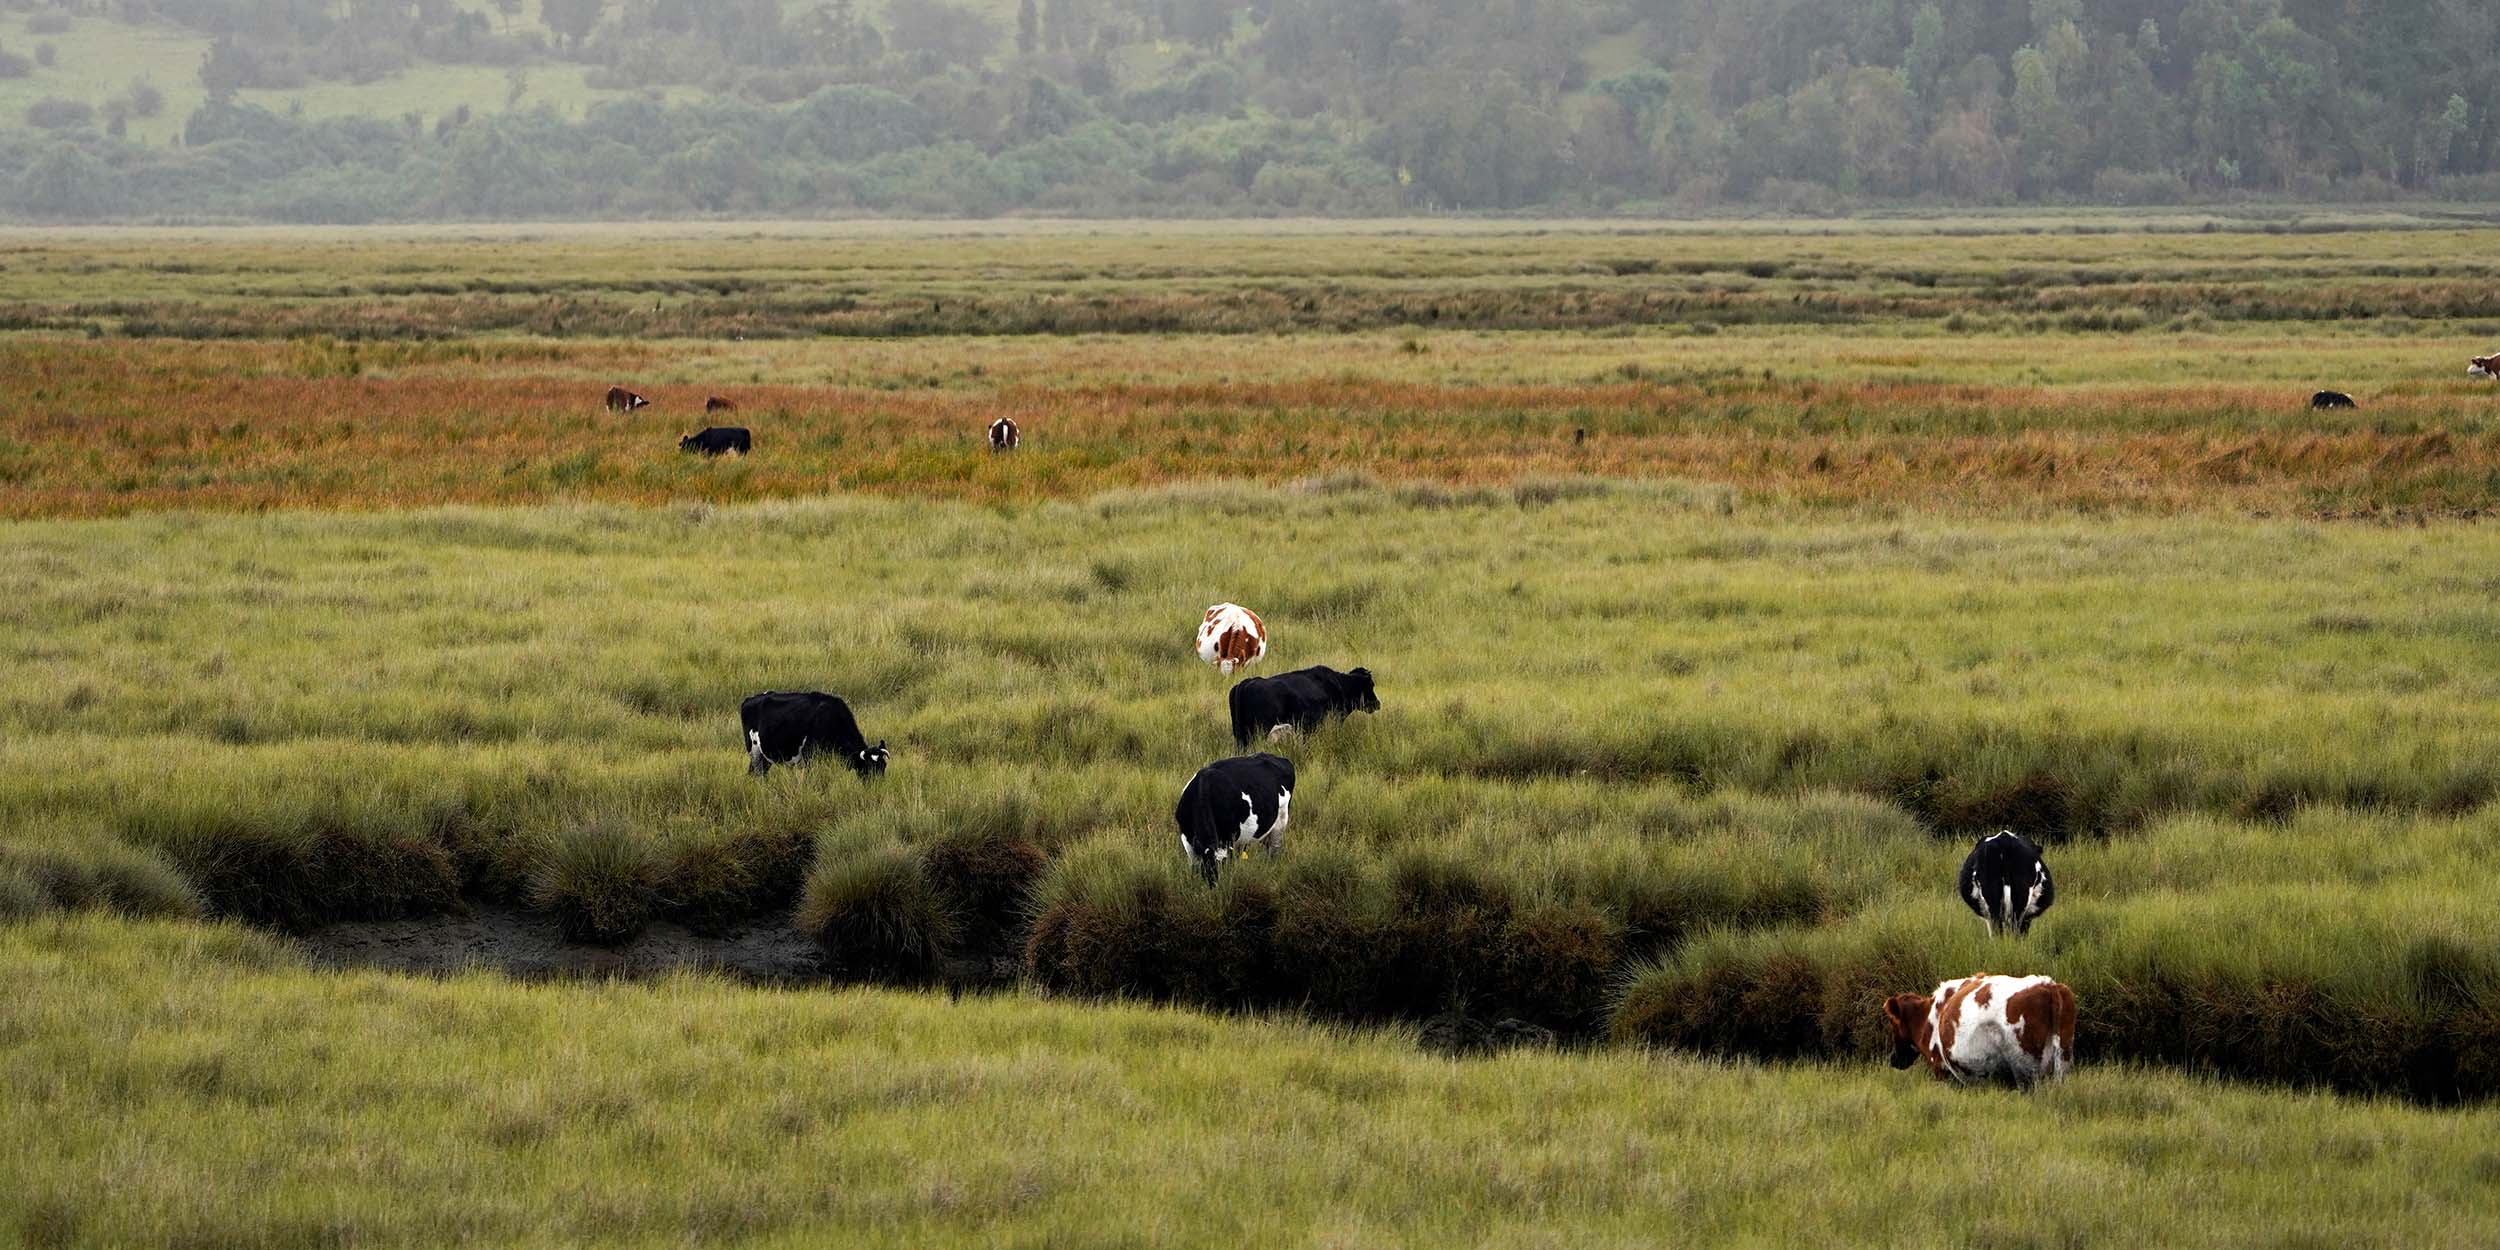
<point>1720,583</point>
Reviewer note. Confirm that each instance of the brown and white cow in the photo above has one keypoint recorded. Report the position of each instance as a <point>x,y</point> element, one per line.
<point>2483,367</point>
<point>714,403</point>
<point>1231,637</point>
<point>2019,1030</point>
<point>622,400</point>
<point>1003,435</point>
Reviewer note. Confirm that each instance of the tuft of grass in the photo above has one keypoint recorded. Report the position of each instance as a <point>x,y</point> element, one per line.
<point>602,881</point>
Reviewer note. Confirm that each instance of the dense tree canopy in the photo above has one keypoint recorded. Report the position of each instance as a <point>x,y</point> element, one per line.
<point>1304,106</point>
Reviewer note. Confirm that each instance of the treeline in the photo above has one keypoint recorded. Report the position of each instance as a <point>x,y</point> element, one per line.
<point>1306,106</point>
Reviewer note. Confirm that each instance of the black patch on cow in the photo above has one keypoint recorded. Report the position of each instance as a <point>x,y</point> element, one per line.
<point>718,439</point>
<point>1227,793</point>
<point>1304,698</point>
<point>2331,399</point>
<point>785,727</point>
<point>1997,879</point>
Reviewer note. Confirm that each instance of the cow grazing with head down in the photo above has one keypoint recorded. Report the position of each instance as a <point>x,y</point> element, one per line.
<point>2018,1030</point>
<point>1003,435</point>
<point>1234,804</point>
<point>1230,637</point>
<point>2484,367</point>
<point>2004,880</point>
<point>2331,399</point>
<point>1303,699</point>
<point>714,403</point>
<point>718,439</point>
<point>787,726</point>
<point>622,400</point>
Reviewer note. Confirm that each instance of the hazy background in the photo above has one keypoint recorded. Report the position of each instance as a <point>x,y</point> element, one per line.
<point>376,110</point>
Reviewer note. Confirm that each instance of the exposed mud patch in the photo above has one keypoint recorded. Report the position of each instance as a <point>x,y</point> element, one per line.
<point>518,942</point>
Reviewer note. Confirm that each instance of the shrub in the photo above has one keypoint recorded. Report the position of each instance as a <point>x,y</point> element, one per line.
<point>57,113</point>
<point>103,875</point>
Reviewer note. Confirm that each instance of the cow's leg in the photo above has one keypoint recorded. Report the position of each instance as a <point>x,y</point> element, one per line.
<point>757,765</point>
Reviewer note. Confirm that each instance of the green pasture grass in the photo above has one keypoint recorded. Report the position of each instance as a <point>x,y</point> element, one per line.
<point>223,1095</point>
<point>97,57</point>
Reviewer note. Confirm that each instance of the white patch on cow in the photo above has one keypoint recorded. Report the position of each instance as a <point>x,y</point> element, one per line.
<point>1284,808</point>
<point>1223,853</point>
<point>755,744</point>
<point>1249,821</point>
<point>2479,371</point>
<point>1281,731</point>
<point>1185,851</point>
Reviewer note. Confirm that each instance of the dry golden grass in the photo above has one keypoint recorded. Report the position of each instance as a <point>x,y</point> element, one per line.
<point>136,427</point>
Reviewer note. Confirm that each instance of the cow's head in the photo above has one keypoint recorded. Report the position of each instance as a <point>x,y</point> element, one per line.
<point>871,762</point>
<point>2484,367</point>
<point>1209,859</point>
<point>1905,1020</point>
<point>687,443</point>
<point>1364,699</point>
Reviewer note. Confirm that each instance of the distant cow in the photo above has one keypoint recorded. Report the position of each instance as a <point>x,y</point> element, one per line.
<point>1231,637</point>
<point>2484,367</point>
<point>785,727</point>
<point>2331,399</point>
<point>2005,882</point>
<point>718,439</point>
<point>1304,699</point>
<point>2019,1030</point>
<point>1003,435</point>
<point>714,403</point>
<point>622,400</point>
<point>1231,804</point>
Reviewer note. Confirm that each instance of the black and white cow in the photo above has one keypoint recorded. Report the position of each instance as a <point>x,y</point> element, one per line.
<point>1004,435</point>
<point>718,439</point>
<point>787,726</point>
<point>2331,399</point>
<point>1304,698</point>
<point>2004,881</point>
<point>1232,804</point>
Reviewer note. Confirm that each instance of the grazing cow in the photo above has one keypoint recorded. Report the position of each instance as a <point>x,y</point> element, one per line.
<point>787,726</point>
<point>2020,1030</point>
<point>1003,435</point>
<point>1579,435</point>
<point>2331,399</point>
<point>714,403</point>
<point>2004,881</point>
<point>1231,637</point>
<point>1303,699</point>
<point>2484,367</point>
<point>622,400</point>
<point>1232,804</point>
<point>718,439</point>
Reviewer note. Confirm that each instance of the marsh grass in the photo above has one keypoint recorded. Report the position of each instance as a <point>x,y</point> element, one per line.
<point>1619,727</point>
<point>235,1098</point>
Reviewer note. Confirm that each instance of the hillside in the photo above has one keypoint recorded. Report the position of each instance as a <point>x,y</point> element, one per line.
<point>291,110</point>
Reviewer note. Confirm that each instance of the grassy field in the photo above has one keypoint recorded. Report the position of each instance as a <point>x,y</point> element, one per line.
<point>1686,727</point>
<point>222,1096</point>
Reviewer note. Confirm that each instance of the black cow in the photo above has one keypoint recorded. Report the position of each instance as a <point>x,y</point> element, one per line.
<point>787,726</point>
<point>718,439</point>
<point>2004,881</point>
<point>2331,399</point>
<point>1234,803</point>
<point>1304,698</point>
